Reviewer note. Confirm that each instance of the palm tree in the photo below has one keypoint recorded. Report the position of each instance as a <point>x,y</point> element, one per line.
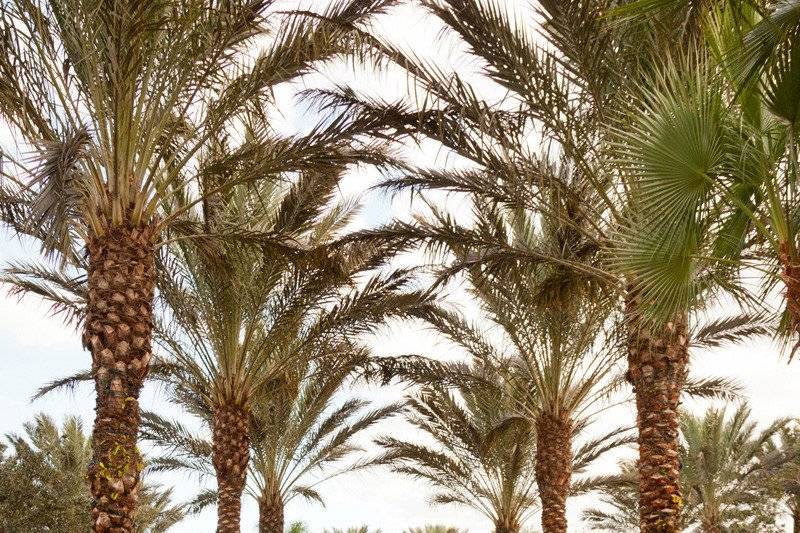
<point>303,435</point>
<point>43,486</point>
<point>483,457</point>
<point>358,529</point>
<point>760,56</point>
<point>559,331</point>
<point>569,91</point>
<point>117,100</point>
<point>240,325</point>
<point>434,528</point>
<point>469,465</point>
<point>298,430</point>
<point>235,321</point>
<point>727,465</point>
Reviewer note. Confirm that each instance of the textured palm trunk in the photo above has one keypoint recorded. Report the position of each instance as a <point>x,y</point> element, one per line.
<point>270,513</point>
<point>118,334</point>
<point>657,367</point>
<point>230,454</point>
<point>553,469</point>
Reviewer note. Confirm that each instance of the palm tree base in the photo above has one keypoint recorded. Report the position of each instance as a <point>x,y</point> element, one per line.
<point>270,514</point>
<point>711,527</point>
<point>553,469</point>
<point>118,334</point>
<point>506,528</point>
<point>230,455</point>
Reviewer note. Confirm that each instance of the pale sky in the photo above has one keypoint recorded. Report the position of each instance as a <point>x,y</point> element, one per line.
<point>37,348</point>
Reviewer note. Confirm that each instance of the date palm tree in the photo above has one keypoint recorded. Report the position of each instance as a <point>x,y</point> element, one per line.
<point>116,100</point>
<point>239,323</point>
<point>300,434</point>
<point>234,318</point>
<point>469,465</point>
<point>478,459</point>
<point>560,333</point>
<point>725,467</point>
<point>788,479</point>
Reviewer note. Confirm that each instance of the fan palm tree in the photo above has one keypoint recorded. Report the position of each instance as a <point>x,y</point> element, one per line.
<point>116,100</point>
<point>43,486</point>
<point>299,432</point>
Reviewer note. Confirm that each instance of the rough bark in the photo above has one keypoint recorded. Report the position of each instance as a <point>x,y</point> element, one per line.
<point>657,367</point>
<point>230,454</point>
<point>553,469</point>
<point>270,513</point>
<point>118,334</point>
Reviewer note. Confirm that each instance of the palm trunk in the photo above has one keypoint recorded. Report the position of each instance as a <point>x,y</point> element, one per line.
<point>270,513</point>
<point>230,455</point>
<point>118,334</point>
<point>657,366</point>
<point>553,469</point>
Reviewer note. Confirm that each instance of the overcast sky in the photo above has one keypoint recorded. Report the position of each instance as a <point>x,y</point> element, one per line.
<point>37,348</point>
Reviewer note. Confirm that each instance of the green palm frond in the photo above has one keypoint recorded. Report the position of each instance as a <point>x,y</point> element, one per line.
<point>671,153</point>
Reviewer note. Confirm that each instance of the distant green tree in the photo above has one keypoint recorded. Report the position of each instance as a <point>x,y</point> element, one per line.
<point>43,487</point>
